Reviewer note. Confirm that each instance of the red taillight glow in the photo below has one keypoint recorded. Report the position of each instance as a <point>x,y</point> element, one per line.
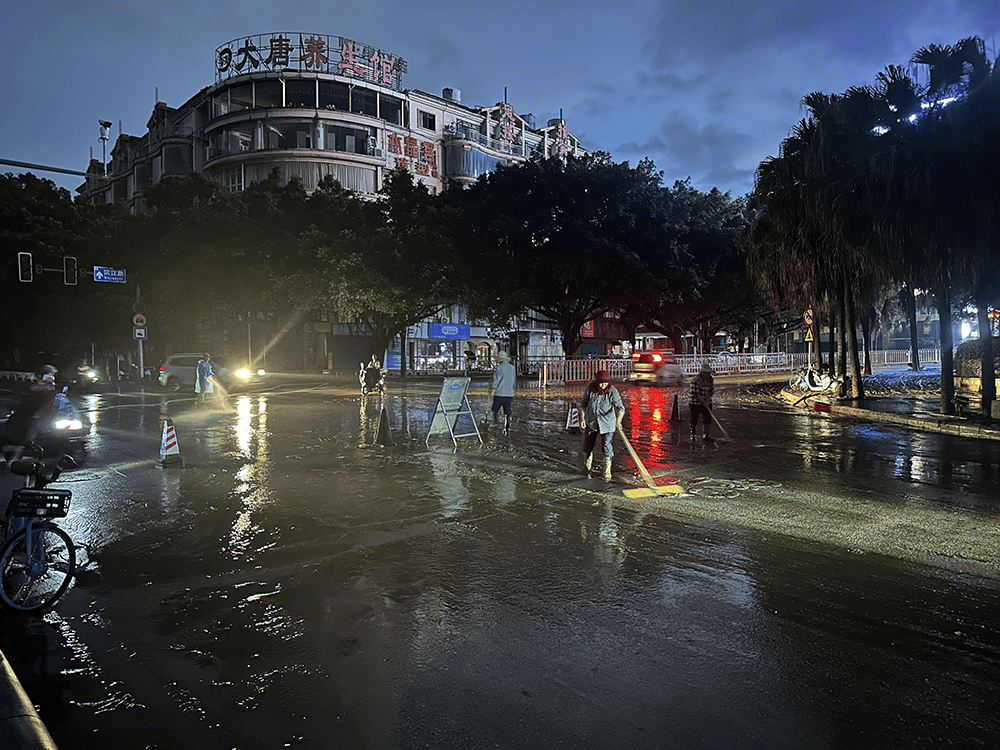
<point>657,357</point>
<point>635,355</point>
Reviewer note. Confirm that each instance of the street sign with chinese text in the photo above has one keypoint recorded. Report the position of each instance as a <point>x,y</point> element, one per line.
<point>459,331</point>
<point>112,275</point>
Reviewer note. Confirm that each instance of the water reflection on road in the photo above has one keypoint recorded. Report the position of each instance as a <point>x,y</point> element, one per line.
<point>299,583</point>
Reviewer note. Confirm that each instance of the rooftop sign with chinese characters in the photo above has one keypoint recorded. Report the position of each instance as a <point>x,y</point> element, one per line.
<point>316,53</point>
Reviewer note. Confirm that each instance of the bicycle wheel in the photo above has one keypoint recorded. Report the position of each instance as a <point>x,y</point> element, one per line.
<point>31,584</point>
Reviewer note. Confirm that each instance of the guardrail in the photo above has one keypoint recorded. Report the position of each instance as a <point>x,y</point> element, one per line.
<point>559,371</point>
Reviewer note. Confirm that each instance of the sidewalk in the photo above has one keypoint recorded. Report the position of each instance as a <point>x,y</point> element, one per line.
<point>912,412</point>
<point>20,726</point>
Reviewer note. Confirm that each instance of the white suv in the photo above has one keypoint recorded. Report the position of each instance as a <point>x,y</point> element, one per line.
<point>179,372</point>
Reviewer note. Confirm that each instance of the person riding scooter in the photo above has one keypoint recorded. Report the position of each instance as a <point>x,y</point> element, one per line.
<point>371,378</point>
<point>23,424</point>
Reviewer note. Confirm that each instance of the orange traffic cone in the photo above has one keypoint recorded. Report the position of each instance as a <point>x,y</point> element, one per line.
<point>170,452</point>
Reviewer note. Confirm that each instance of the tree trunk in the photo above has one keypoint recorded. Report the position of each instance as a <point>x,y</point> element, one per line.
<point>857,386</point>
<point>911,314</point>
<point>832,339</point>
<point>988,376</point>
<point>866,330</point>
<point>402,353</point>
<point>816,339</point>
<point>842,338</point>
<point>943,303</point>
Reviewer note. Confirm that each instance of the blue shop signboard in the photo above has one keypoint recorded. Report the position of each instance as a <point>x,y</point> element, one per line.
<point>458,331</point>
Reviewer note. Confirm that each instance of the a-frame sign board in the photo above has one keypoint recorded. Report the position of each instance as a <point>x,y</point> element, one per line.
<point>452,403</point>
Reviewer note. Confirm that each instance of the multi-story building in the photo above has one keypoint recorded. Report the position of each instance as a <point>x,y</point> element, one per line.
<point>311,105</point>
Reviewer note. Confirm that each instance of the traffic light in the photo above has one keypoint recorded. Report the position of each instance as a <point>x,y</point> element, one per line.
<point>25,270</point>
<point>69,270</point>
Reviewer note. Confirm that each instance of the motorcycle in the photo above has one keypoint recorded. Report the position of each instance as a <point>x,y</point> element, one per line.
<point>372,380</point>
<point>48,419</point>
<point>816,381</point>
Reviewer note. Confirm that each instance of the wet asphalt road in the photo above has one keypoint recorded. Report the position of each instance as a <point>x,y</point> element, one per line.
<point>819,584</point>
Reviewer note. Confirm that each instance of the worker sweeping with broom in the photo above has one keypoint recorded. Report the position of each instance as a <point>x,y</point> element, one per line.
<point>603,411</point>
<point>700,400</point>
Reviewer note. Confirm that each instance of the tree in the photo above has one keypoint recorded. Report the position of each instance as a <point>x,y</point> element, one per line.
<point>391,265</point>
<point>712,291</point>
<point>571,239</point>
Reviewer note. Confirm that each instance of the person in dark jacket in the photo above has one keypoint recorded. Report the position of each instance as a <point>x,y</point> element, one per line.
<point>700,400</point>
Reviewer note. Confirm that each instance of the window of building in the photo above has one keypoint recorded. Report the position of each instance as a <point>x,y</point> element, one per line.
<point>237,139</point>
<point>233,99</point>
<point>426,120</point>
<point>232,179</point>
<point>267,94</point>
<point>344,138</point>
<point>464,161</point>
<point>364,101</point>
<point>300,94</point>
<point>176,160</point>
<point>334,95</point>
<point>288,135</point>
<point>390,109</point>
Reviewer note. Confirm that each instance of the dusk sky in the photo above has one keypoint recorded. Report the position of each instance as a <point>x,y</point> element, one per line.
<point>705,89</point>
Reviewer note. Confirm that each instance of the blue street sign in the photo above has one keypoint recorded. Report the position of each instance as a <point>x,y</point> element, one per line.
<point>138,332</point>
<point>113,275</point>
<point>460,331</point>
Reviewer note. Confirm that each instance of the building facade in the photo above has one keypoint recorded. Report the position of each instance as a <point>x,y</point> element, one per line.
<point>311,106</point>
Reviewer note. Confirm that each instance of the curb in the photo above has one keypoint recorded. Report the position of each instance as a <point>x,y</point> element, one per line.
<point>20,726</point>
<point>940,423</point>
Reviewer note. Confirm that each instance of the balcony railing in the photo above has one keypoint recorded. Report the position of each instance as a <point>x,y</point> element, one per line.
<point>468,132</point>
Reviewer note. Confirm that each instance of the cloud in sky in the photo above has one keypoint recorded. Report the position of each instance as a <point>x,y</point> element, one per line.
<point>706,90</point>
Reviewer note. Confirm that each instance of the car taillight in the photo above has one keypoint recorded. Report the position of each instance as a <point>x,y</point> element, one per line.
<point>657,358</point>
<point>635,356</point>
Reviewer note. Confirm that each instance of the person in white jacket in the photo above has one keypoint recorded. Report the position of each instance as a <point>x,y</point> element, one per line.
<point>502,389</point>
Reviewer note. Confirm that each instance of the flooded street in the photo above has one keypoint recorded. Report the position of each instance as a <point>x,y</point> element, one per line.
<point>819,583</point>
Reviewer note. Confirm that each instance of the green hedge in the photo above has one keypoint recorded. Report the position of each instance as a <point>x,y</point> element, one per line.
<point>968,357</point>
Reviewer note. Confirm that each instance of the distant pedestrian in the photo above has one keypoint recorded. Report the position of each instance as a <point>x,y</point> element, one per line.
<point>504,378</point>
<point>204,380</point>
<point>603,411</point>
<point>700,399</point>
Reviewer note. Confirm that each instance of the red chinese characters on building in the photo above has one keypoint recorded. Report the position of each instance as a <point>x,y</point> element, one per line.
<point>350,62</point>
<point>421,156</point>
<point>314,52</point>
<point>382,67</point>
<point>506,127</point>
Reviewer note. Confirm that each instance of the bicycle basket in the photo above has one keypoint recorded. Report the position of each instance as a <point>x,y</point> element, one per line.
<point>28,502</point>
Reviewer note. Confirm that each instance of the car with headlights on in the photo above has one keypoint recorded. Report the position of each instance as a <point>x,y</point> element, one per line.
<point>180,371</point>
<point>656,368</point>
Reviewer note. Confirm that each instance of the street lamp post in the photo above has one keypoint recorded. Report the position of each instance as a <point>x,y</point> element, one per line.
<point>105,125</point>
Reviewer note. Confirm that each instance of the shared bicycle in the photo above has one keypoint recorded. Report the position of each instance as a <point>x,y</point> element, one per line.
<point>38,559</point>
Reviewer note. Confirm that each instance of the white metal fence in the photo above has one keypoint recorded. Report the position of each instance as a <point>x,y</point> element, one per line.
<point>557,371</point>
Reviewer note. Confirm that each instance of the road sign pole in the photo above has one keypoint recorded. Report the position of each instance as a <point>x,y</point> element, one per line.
<point>142,368</point>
